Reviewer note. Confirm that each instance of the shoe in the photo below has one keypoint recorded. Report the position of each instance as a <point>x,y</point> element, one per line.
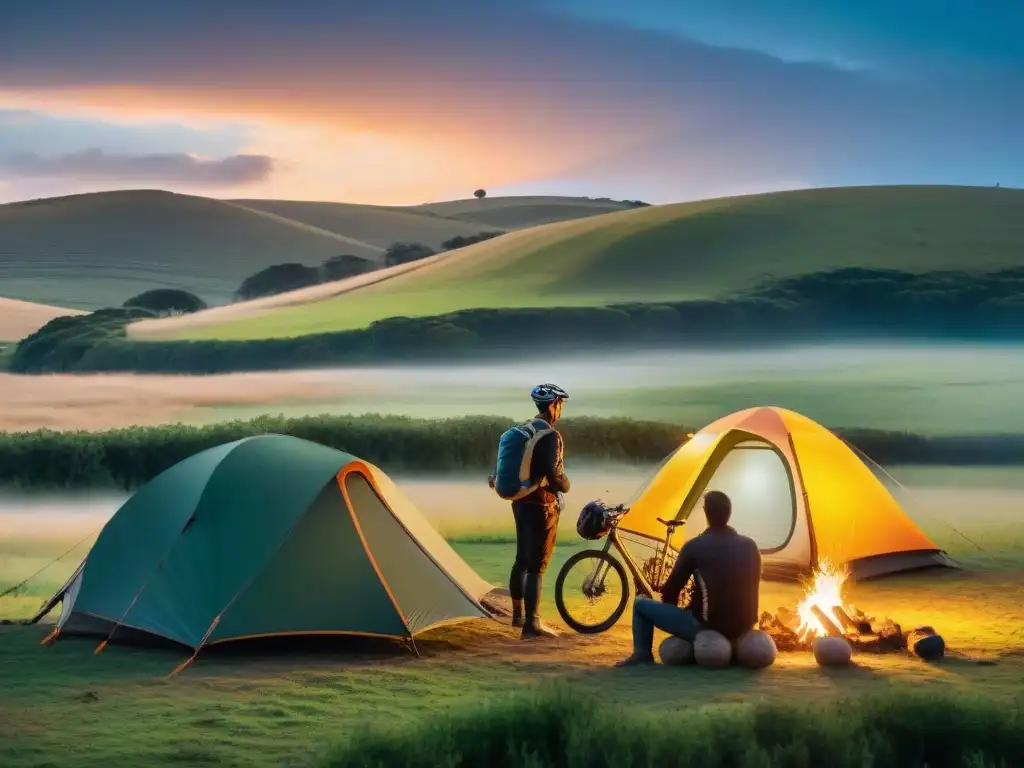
<point>518,621</point>
<point>537,628</point>
<point>636,660</point>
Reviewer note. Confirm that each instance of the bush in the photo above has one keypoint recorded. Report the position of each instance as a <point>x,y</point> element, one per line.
<point>402,253</point>
<point>163,301</point>
<point>341,267</point>
<point>562,728</point>
<point>130,457</point>
<point>845,303</point>
<point>461,241</point>
<point>279,278</point>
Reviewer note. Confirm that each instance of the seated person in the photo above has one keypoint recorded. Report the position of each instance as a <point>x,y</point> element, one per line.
<point>726,570</point>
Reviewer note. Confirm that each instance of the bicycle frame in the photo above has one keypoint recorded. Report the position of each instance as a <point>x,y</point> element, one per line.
<point>613,540</point>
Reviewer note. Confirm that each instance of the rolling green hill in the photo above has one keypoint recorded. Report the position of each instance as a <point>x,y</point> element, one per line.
<point>521,212</point>
<point>378,225</point>
<point>674,252</point>
<point>97,250</point>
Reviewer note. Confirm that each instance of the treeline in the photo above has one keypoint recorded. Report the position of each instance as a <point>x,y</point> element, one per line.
<point>847,303</point>
<point>127,458</point>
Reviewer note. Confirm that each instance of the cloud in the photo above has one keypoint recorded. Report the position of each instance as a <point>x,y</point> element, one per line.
<point>465,93</point>
<point>180,168</point>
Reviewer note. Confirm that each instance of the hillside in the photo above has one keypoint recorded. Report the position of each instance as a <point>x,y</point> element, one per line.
<point>670,253</point>
<point>378,225</point>
<point>20,318</point>
<point>521,212</point>
<point>97,250</point>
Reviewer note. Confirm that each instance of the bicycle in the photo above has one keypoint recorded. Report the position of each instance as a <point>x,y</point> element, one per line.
<point>605,573</point>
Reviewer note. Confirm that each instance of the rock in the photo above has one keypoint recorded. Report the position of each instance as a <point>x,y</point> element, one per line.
<point>926,643</point>
<point>831,651</point>
<point>675,651</point>
<point>756,650</point>
<point>712,649</point>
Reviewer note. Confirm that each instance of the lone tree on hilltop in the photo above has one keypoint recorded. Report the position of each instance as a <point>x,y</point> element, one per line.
<point>480,194</point>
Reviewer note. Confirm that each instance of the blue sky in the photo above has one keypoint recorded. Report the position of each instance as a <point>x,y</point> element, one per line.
<point>402,101</point>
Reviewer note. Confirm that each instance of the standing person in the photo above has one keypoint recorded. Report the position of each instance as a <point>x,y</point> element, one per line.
<point>536,508</point>
<point>726,570</point>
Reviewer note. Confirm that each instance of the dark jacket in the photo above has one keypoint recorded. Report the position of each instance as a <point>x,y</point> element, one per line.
<point>547,462</point>
<point>726,570</point>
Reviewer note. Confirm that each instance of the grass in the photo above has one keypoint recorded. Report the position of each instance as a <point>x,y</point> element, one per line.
<point>268,705</point>
<point>679,252</point>
<point>556,729</point>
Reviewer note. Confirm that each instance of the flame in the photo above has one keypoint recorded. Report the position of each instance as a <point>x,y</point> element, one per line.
<point>824,591</point>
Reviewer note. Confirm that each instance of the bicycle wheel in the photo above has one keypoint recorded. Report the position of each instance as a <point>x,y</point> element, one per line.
<point>591,591</point>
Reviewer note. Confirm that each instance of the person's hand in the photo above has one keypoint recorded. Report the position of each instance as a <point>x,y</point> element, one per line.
<point>491,479</point>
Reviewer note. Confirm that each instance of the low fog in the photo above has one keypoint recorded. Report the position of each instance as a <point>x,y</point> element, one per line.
<point>948,389</point>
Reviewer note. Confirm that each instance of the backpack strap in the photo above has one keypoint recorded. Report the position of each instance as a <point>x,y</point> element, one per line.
<point>537,429</point>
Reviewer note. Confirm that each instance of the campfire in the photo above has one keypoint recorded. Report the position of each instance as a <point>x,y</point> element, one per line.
<point>823,611</point>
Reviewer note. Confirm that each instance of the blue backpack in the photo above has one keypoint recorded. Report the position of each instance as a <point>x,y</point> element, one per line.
<point>515,453</point>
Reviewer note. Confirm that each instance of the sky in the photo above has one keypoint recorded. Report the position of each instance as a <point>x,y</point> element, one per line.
<point>401,102</point>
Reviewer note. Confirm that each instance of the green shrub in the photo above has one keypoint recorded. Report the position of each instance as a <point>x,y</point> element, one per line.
<point>566,730</point>
<point>857,303</point>
<point>162,301</point>
<point>130,457</point>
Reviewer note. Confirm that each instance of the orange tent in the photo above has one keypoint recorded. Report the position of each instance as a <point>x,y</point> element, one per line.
<point>797,489</point>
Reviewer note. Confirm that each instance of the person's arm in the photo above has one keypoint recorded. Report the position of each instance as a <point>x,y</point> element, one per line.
<point>681,573</point>
<point>548,454</point>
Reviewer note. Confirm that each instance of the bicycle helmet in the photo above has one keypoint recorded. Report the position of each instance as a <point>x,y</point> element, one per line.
<point>543,394</point>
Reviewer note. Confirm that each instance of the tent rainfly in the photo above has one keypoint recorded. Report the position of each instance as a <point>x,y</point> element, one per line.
<point>797,489</point>
<point>267,536</point>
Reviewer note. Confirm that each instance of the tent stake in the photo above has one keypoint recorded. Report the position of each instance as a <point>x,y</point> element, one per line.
<point>412,644</point>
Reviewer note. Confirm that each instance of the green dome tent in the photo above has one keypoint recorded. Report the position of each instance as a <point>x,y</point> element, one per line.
<point>265,536</point>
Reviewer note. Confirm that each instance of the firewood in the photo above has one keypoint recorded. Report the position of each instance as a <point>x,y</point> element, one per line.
<point>844,618</point>
<point>826,622</point>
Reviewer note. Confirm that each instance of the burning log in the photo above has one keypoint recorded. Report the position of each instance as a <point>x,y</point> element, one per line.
<point>826,623</point>
<point>845,620</point>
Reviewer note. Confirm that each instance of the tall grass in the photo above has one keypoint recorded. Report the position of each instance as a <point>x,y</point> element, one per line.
<point>127,458</point>
<point>558,729</point>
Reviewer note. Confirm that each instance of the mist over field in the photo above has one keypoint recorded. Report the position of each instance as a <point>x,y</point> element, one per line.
<point>927,389</point>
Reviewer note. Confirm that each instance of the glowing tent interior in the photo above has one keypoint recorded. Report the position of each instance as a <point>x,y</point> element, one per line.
<point>797,489</point>
<point>265,536</point>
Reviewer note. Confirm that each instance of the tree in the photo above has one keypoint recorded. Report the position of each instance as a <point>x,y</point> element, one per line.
<point>402,253</point>
<point>278,278</point>
<point>480,194</point>
<point>461,241</point>
<point>346,265</point>
<point>165,301</point>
